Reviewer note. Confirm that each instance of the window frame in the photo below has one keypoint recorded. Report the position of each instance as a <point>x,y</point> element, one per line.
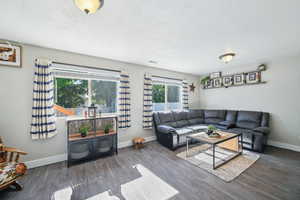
<point>117,81</point>
<point>166,84</point>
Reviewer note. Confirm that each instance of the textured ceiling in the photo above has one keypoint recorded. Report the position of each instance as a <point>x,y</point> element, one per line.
<point>186,36</point>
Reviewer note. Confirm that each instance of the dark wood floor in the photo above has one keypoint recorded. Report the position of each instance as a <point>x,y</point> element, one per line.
<point>276,175</point>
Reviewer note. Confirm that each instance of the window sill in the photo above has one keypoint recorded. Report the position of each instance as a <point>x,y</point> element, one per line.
<point>71,118</point>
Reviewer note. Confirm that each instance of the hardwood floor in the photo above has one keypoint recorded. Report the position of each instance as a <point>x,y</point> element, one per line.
<point>276,175</point>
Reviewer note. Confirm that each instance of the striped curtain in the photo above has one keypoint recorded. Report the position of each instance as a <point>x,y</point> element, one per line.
<point>147,114</point>
<point>43,117</point>
<point>124,101</point>
<point>185,95</point>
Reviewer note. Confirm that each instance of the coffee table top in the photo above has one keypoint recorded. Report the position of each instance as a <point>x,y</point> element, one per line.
<point>203,137</point>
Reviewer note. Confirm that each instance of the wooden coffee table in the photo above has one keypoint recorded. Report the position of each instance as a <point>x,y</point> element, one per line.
<point>229,141</point>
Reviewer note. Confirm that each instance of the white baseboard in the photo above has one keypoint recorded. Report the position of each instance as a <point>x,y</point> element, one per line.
<point>284,145</point>
<point>62,157</point>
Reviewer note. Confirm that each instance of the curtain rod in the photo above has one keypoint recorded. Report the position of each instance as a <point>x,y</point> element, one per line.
<point>89,67</point>
<point>176,79</point>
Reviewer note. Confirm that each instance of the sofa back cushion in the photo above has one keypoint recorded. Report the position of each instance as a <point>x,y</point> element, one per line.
<point>180,118</point>
<point>195,117</point>
<point>248,119</point>
<point>166,118</point>
<point>214,116</point>
<point>231,115</point>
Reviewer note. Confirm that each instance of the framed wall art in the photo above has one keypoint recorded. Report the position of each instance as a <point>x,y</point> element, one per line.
<point>209,84</point>
<point>227,81</point>
<point>10,55</point>
<point>238,79</point>
<point>253,77</point>
<point>215,75</point>
<point>217,82</point>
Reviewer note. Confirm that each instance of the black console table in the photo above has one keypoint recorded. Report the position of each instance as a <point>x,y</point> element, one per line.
<point>96,143</point>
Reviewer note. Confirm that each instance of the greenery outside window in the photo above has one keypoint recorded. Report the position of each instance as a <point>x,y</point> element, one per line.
<point>76,94</point>
<point>166,96</point>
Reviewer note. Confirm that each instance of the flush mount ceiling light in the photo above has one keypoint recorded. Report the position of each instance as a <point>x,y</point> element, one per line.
<point>227,57</point>
<point>89,6</point>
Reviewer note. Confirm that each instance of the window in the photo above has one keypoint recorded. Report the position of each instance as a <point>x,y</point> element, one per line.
<point>74,95</point>
<point>166,96</point>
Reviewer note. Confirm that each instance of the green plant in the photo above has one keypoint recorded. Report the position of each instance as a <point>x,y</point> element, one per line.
<point>204,79</point>
<point>211,128</point>
<point>107,127</point>
<point>84,129</point>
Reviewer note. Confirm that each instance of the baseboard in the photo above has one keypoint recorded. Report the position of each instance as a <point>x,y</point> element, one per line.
<point>62,157</point>
<point>284,145</point>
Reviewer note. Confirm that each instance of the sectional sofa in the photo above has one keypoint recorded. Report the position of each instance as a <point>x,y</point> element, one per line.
<point>171,128</point>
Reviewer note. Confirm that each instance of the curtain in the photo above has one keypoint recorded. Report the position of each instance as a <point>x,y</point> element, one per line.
<point>124,101</point>
<point>147,114</point>
<point>43,117</point>
<point>185,95</point>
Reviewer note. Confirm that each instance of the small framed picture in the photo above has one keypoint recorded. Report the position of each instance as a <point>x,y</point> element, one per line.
<point>215,75</point>
<point>217,82</point>
<point>238,79</point>
<point>209,84</point>
<point>10,55</point>
<point>253,77</point>
<point>227,81</point>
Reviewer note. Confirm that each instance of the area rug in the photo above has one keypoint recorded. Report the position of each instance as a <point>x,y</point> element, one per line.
<point>201,156</point>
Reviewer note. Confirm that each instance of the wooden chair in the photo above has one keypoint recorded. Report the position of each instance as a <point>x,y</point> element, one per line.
<point>10,166</point>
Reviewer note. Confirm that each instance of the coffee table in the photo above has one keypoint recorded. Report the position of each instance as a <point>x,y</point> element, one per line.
<point>229,141</point>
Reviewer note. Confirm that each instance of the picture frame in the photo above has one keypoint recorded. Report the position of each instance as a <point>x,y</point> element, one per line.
<point>217,82</point>
<point>227,81</point>
<point>215,75</point>
<point>253,77</point>
<point>209,84</point>
<point>10,55</point>
<point>239,79</point>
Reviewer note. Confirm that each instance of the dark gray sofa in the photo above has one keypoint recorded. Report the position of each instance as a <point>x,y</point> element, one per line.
<point>172,127</point>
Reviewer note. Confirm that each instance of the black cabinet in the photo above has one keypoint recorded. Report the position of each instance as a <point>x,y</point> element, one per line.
<point>95,144</point>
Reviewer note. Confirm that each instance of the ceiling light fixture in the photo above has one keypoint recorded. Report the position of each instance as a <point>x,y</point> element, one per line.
<point>227,57</point>
<point>89,6</point>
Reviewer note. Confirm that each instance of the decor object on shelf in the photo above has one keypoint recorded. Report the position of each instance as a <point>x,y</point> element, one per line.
<point>107,128</point>
<point>89,6</point>
<point>84,129</point>
<point>138,142</point>
<point>192,87</point>
<point>227,57</point>
<point>92,110</point>
<point>253,77</point>
<point>227,81</point>
<point>10,167</point>
<point>215,75</point>
<point>10,55</point>
<point>238,79</point>
<point>262,67</point>
<point>204,80</point>
<point>217,82</point>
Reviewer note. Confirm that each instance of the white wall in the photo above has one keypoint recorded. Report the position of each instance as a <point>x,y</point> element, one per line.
<point>280,96</point>
<point>16,100</point>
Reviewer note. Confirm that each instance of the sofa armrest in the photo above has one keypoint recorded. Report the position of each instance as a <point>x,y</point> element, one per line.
<point>262,129</point>
<point>166,129</point>
<point>226,124</point>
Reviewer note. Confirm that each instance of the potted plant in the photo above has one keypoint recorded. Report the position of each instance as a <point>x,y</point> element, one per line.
<point>84,129</point>
<point>107,127</point>
<point>211,129</point>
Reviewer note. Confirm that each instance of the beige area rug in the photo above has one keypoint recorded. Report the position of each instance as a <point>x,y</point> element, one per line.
<point>201,156</point>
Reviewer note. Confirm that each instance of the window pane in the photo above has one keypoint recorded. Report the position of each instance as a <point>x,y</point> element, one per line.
<point>104,94</point>
<point>158,93</point>
<point>71,94</point>
<point>173,94</point>
<point>173,106</point>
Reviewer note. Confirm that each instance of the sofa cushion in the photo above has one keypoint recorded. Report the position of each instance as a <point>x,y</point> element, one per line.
<point>248,119</point>
<point>212,120</point>
<point>183,131</point>
<point>182,123</point>
<point>192,114</point>
<point>226,124</point>
<point>166,129</point>
<point>214,114</point>
<point>246,124</point>
<point>231,115</point>
<point>182,115</point>
<point>197,127</point>
<point>166,117</point>
<point>264,130</point>
<point>196,121</point>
